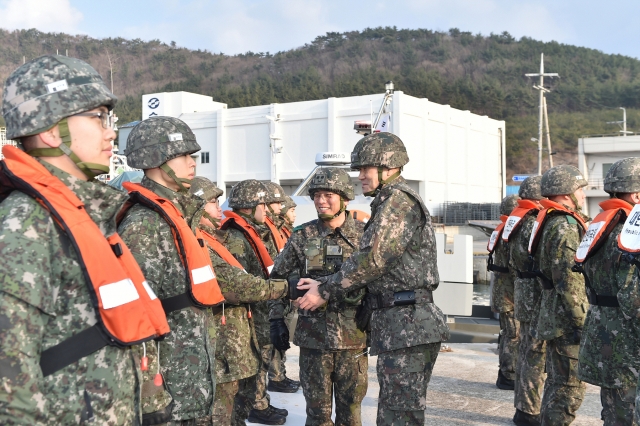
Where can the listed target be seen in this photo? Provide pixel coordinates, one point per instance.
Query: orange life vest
(549, 207)
(515, 218)
(278, 238)
(129, 311)
(615, 210)
(203, 286)
(285, 232)
(234, 220)
(221, 250)
(629, 238)
(495, 235)
(360, 215)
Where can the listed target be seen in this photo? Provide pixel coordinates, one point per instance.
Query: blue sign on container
(519, 178)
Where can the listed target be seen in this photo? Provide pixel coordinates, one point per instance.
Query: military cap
(623, 176)
(561, 180)
(508, 203)
(333, 179)
(530, 189)
(288, 204)
(247, 194)
(275, 193)
(382, 149)
(157, 140)
(42, 92)
(205, 189)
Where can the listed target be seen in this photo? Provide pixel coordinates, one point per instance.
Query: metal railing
(455, 213)
(595, 183)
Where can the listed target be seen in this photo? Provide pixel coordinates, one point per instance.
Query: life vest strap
(526, 274)
(73, 349)
(600, 300)
(547, 284)
(495, 268)
(176, 303)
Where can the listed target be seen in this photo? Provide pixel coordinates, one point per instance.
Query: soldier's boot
(285, 386)
(525, 419)
(281, 411)
(504, 383)
(266, 417)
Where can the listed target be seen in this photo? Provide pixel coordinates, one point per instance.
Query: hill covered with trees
(483, 74)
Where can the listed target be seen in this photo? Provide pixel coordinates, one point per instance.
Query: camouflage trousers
(530, 372)
(618, 406)
(322, 373)
(509, 342)
(201, 421)
(252, 391)
(563, 391)
(277, 369)
(403, 376)
(224, 402)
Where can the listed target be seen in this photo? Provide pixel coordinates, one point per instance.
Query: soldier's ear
(51, 137)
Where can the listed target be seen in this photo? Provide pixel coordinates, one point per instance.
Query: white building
(4, 141)
(595, 155)
(455, 155)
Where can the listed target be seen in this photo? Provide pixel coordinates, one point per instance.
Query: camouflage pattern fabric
(527, 291)
(502, 298)
(333, 179)
(623, 176)
(397, 252)
(277, 367)
(530, 372)
(530, 188)
(275, 193)
(618, 406)
(509, 343)
(186, 354)
(247, 194)
(223, 405)
(205, 189)
(403, 375)
(47, 89)
(382, 149)
(561, 180)
(331, 327)
(157, 140)
(340, 374)
(44, 300)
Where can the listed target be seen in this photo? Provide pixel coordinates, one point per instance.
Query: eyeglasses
(106, 118)
(326, 196)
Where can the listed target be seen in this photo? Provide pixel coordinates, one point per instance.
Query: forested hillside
(484, 74)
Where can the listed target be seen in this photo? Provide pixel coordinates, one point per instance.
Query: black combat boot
(280, 411)
(266, 417)
(525, 419)
(285, 386)
(504, 383)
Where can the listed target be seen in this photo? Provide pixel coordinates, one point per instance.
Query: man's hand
(312, 300)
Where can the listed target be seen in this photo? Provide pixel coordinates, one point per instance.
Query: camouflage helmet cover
(561, 180)
(42, 92)
(205, 189)
(288, 204)
(247, 194)
(157, 140)
(275, 193)
(530, 188)
(509, 203)
(623, 176)
(382, 149)
(333, 179)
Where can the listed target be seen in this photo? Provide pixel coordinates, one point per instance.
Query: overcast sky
(237, 26)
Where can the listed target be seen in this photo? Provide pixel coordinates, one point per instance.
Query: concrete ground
(462, 391)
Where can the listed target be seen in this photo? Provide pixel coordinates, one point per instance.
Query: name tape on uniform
(57, 86)
(173, 137)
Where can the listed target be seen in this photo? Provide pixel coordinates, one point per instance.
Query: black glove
(577, 335)
(293, 293)
(279, 334)
(363, 314)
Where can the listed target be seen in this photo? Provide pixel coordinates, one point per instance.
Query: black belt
(175, 303)
(526, 274)
(73, 349)
(399, 298)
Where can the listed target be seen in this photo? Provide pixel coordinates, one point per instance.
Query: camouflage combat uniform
(331, 346)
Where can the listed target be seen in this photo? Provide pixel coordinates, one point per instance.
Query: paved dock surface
(462, 391)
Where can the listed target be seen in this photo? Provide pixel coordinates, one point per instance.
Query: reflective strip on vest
(549, 207)
(126, 311)
(233, 219)
(629, 238)
(516, 216)
(495, 235)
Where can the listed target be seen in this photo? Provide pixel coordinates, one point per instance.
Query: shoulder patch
(571, 220)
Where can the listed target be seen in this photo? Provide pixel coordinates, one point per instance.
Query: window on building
(204, 158)
(605, 168)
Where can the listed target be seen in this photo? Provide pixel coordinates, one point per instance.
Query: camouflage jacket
(187, 353)
(610, 341)
(44, 300)
(249, 259)
(527, 291)
(564, 307)
(332, 326)
(237, 350)
(397, 252)
(502, 292)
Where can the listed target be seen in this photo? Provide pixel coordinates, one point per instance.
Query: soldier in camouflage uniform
(396, 262)
(563, 305)
(51, 102)
(162, 147)
(247, 200)
(530, 375)
(610, 344)
(237, 350)
(288, 216)
(502, 302)
(332, 352)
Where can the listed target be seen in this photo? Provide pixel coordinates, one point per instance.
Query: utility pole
(541, 89)
(546, 122)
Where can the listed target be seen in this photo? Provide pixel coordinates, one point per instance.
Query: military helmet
(288, 204)
(508, 203)
(205, 189)
(530, 188)
(382, 149)
(623, 176)
(275, 193)
(332, 179)
(157, 140)
(247, 194)
(42, 92)
(561, 180)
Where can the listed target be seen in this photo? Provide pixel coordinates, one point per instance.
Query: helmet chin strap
(179, 181)
(251, 217)
(577, 206)
(90, 170)
(327, 217)
(382, 182)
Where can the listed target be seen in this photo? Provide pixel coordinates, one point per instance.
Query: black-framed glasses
(106, 118)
